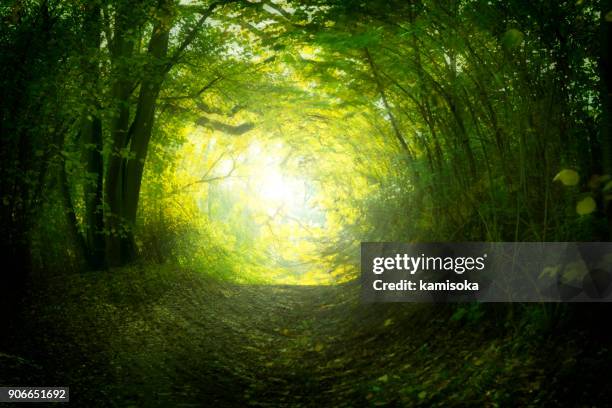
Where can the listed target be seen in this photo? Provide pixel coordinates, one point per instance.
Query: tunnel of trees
(185, 185)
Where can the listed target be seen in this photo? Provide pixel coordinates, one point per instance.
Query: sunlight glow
(261, 198)
(279, 191)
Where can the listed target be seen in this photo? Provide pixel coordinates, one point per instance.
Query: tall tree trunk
(71, 218)
(122, 49)
(91, 132)
(25, 69)
(140, 131)
(94, 209)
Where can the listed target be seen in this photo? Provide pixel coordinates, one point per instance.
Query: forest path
(236, 345)
(135, 339)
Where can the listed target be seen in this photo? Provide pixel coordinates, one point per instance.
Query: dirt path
(127, 342)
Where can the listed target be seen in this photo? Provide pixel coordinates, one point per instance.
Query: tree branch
(206, 179)
(207, 12)
(224, 127)
(197, 94)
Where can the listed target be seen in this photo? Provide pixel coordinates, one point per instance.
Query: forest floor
(158, 336)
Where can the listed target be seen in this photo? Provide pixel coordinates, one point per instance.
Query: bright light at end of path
(269, 183)
(275, 187)
(280, 192)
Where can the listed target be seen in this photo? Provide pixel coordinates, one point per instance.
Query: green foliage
(403, 121)
(469, 314)
(586, 206)
(512, 39)
(218, 151)
(568, 177)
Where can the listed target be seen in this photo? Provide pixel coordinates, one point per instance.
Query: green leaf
(568, 177)
(422, 395)
(383, 378)
(586, 206)
(608, 186)
(512, 39)
(458, 315)
(549, 271)
(574, 273)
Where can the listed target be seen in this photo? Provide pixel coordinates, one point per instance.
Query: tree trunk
(94, 214)
(71, 218)
(91, 132)
(121, 50)
(139, 136)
